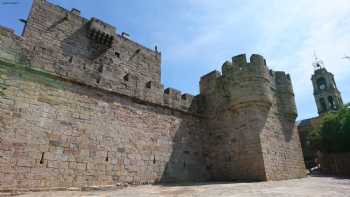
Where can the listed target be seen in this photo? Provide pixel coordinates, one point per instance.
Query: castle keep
(83, 105)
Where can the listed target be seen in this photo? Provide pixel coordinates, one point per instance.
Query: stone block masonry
(55, 133)
(251, 133)
(82, 105)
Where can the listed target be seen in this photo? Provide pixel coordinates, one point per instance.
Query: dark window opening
(148, 85)
(154, 159)
(117, 54)
(42, 158)
(107, 158)
(323, 105)
(331, 102)
(126, 77)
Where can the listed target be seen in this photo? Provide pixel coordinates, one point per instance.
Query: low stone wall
(336, 164)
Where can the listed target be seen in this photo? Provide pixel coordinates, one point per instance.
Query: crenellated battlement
(239, 68)
(92, 104)
(241, 82)
(241, 60)
(103, 72)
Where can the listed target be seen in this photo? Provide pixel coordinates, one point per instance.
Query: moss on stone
(25, 73)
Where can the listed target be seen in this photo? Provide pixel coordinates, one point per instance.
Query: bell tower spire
(327, 96)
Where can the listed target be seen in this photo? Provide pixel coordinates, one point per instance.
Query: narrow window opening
(100, 68)
(148, 85)
(331, 102)
(154, 159)
(42, 158)
(126, 77)
(107, 158)
(71, 60)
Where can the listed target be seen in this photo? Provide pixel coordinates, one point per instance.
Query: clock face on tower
(321, 83)
(322, 86)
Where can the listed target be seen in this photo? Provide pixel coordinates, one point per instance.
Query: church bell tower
(326, 93)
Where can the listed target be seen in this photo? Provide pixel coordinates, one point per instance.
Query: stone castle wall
(82, 105)
(251, 114)
(55, 133)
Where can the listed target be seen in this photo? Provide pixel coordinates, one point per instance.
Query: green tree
(333, 135)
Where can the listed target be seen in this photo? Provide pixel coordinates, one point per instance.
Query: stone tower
(251, 115)
(326, 93)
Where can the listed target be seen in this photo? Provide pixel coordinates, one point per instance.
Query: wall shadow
(286, 119)
(78, 44)
(186, 163)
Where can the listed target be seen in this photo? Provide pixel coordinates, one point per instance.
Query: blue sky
(197, 36)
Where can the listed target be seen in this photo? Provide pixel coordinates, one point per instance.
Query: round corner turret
(243, 82)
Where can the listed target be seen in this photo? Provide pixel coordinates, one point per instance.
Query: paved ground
(311, 186)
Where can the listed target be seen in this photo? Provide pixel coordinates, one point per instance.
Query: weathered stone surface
(251, 122)
(80, 112)
(92, 137)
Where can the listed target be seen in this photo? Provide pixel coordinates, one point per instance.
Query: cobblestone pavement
(311, 186)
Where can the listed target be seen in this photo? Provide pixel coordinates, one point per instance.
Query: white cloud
(285, 32)
(325, 29)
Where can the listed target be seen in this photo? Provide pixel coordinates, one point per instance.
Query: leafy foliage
(333, 135)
